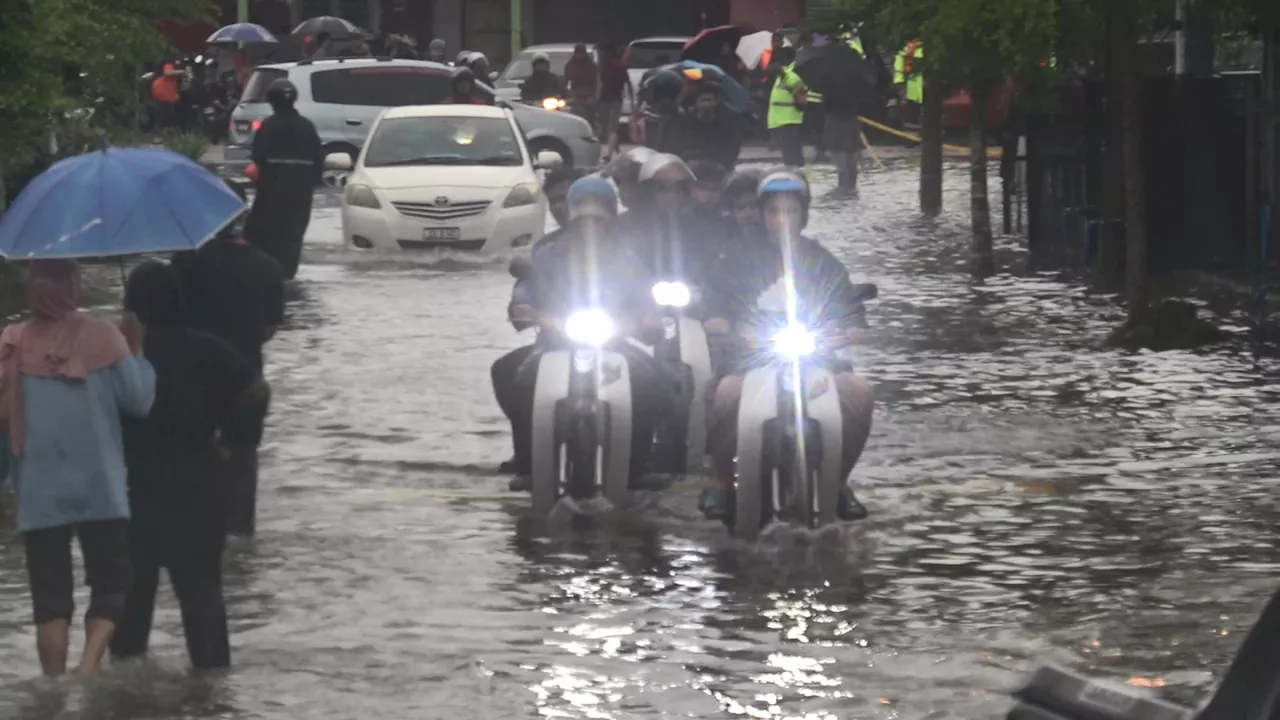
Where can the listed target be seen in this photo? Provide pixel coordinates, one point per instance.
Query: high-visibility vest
(782, 99)
(905, 71)
(853, 42)
(813, 97)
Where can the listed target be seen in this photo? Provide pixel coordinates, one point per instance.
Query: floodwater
(1033, 499)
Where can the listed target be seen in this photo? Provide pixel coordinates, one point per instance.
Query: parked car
(455, 177)
(646, 54)
(344, 96)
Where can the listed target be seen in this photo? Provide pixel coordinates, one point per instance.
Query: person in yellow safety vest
(786, 113)
(909, 80)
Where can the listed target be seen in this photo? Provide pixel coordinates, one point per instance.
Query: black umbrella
(705, 47)
(837, 70)
(336, 27)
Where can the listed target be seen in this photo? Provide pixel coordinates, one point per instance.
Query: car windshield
(443, 140)
(522, 67)
(256, 90)
(644, 55)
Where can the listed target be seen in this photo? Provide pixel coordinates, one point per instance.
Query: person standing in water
(208, 399)
(65, 381)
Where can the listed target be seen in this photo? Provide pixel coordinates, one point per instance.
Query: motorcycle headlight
(521, 195)
(362, 196)
(593, 328)
(794, 342)
(553, 103)
(672, 294)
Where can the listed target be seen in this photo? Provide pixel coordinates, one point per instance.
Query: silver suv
(344, 96)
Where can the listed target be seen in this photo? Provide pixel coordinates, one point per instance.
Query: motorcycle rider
(479, 65)
(505, 369)
(290, 160)
(826, 298)
(542, 83)
(660, 228)
(585, 266)
(464, 89)
(708, 187)
(742, 204)
(436, 51)
(625, 172)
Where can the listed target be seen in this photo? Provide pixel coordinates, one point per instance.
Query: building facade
(485, 25)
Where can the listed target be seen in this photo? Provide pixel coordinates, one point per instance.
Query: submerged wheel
(581, 451)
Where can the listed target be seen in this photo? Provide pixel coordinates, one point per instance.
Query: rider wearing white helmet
(826, 300)
(541, 82)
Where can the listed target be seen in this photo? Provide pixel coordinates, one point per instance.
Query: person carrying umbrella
(66, 379)
(786, 109)
(290, 160)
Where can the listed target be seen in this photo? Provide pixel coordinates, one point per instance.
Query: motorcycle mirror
(520, 268)
(867, 291)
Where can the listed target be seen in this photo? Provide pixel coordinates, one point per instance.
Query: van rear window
(256, 90)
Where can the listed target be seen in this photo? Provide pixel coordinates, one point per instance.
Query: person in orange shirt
(164, 93)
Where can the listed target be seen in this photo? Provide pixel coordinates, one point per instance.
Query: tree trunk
(931, 149)
(983, 257)
(1111, 232)
(1135, 206)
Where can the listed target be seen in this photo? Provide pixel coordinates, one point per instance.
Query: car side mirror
(337, 161)
(547, 160)
(493, 75)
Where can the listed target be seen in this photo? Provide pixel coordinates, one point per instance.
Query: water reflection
(1031, 498)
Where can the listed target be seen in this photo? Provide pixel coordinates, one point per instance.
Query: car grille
(468, 245)
(431, 211)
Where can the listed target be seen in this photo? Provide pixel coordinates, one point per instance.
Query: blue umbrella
(241, 33)
(117, 201)
(735, 96)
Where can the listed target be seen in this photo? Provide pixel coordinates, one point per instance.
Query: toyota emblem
(442, 201)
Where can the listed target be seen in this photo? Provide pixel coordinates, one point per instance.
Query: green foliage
(58, 57)
(190, 144)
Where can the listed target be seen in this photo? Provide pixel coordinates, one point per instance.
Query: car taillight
(257, 124)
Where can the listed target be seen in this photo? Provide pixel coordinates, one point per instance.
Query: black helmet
(282, 93)
(463, 73)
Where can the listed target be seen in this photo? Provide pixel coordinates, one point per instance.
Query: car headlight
(361, 196)
(589, 327)
(794, 341)
(672, 294)
(521, 195)
(553, 103)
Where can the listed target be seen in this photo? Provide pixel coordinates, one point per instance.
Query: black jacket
(290, 161)
(539, 86)
(691, 138)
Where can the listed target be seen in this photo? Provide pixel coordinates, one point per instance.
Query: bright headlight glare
(362, 196)
(521, 195)
(552, 103)
(672, 294)
(794, 342)
(593, 328)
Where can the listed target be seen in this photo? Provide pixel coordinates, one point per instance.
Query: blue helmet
(592, 196)
(785, 182)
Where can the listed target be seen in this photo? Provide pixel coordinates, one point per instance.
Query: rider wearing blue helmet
(585, 266)
(743, 285)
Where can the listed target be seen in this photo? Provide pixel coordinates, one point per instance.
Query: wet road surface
(1032, 499)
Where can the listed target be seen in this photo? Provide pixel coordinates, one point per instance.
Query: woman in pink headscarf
(65, 380)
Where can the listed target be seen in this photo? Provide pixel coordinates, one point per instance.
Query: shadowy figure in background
(707, 132)
(236, 291)
(208, 398)
(65, 381)
(290, 162)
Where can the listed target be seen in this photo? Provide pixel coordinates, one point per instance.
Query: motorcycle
(552, 102)
(790, 433)
(581, 413)
(683, 347)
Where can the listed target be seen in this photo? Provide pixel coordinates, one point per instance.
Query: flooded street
(1032, 499)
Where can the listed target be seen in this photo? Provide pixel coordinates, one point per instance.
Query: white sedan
(443, 177)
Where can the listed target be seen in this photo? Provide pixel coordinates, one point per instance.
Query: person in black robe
(208, 399)
(290, 161)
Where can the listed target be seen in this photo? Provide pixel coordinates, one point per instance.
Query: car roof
(554, 47)
(331, 63)
(419, 111)
(661, 39)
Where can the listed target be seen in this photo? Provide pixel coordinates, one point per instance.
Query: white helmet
(661, 161)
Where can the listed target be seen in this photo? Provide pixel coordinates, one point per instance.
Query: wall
(765, 14)
(407, 17)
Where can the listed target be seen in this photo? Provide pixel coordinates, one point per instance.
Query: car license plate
(442, 234)
(243, 126)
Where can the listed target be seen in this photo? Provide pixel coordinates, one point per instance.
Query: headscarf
(57, 342)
